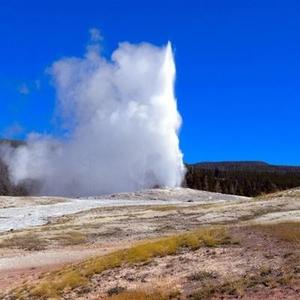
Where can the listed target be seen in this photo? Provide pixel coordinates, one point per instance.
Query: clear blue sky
(238, 67)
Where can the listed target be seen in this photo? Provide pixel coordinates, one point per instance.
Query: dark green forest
(241, 178)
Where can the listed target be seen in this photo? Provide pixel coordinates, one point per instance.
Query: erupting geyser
(122, 125)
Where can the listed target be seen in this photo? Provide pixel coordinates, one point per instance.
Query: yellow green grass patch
(54, 284)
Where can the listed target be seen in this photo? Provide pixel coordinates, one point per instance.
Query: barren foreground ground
(156, 244)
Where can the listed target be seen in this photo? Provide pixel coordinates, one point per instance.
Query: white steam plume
(122, 121)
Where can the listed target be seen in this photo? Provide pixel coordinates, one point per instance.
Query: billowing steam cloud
(122, 122)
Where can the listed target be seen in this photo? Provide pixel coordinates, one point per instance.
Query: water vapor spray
(122, 122)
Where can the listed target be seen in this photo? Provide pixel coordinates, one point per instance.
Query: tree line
(245, 181)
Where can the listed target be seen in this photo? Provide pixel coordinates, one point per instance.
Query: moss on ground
(27, 241)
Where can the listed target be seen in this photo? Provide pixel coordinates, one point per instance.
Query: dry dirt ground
(261, 261)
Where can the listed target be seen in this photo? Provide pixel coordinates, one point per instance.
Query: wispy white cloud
(12, 131)
(95, 35)
(24, 89)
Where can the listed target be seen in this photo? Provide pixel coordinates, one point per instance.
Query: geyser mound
(122, 126)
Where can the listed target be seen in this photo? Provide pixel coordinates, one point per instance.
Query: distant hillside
(247, 178)
(256, 166)
(13, 143)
